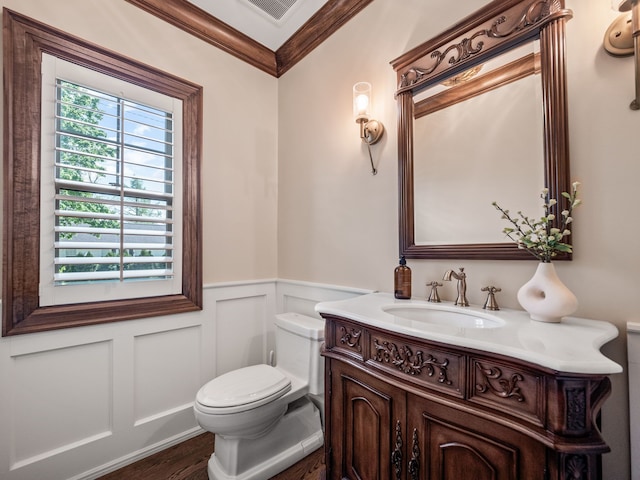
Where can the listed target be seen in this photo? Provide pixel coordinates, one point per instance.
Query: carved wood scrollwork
(396, 455)
(405, 361)
(576, 408)
(532, 14)
(351, 338)
(501, 387)
(462, 50)
(414, 463)
(576, 467)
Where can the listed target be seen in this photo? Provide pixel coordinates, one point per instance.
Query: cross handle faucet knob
(491, 303)
(433, 295)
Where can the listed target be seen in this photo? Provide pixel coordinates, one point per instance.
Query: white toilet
(267, 418)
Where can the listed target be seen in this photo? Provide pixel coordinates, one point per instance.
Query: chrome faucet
(461, 277)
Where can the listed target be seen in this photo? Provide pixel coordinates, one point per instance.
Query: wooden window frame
(25, 40)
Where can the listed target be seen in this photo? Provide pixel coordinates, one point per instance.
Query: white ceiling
(250, 17)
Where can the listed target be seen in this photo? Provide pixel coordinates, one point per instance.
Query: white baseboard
(138, 455)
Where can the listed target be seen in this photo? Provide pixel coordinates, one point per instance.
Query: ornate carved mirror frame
(496, 28)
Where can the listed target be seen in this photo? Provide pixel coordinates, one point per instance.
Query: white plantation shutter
(114, 194)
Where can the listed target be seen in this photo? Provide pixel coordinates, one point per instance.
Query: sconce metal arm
(374, 171)
(370, 132)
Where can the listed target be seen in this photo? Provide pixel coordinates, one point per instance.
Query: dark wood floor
(188, 461)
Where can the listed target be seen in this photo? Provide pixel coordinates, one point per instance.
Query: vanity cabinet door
(448, 444)
(366, 426)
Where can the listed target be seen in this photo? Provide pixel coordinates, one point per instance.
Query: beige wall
(287, 187)
(338, 224)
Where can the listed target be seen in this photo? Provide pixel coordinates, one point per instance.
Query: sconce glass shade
(370, 130)
(362, 101)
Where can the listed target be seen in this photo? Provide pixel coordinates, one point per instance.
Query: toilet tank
(298, 342)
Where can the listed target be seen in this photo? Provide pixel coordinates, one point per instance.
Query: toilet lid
(245, 388)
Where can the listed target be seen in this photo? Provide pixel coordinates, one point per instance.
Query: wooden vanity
(400, 405)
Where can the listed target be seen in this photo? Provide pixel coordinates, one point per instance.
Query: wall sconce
(623, 38)
(370, 130)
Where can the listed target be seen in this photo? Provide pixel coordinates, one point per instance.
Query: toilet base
(295, 436)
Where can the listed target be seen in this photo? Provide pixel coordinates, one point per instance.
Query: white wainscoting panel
(302, 297)
(243, 316)
(633, 349)
(166, 372)
(78, 403)
(59, 404)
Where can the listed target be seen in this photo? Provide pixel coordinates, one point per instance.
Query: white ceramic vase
(545, 297)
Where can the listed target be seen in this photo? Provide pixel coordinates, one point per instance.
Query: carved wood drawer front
(507, 389)
(349, 338)
(424, 365)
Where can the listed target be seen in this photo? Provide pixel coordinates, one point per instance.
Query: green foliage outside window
(83, 150)
(82, 154)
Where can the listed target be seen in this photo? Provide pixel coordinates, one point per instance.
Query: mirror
(461, 159)
(496, 130)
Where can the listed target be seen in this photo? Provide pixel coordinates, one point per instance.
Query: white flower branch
(540, 237)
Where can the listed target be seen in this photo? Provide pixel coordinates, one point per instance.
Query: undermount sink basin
(443, 316)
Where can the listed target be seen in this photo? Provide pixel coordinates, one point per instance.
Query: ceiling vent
(276, 9)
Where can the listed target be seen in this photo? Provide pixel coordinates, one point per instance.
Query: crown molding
(324, 23)
(197, 22)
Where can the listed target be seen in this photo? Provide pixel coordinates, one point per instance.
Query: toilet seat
(243, 389)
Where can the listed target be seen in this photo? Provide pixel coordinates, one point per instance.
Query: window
(110, 186)
(102, 206)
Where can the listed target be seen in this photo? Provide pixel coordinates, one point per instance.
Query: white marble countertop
(571, 346)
